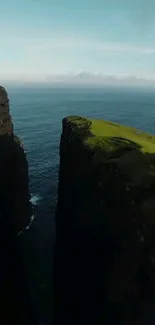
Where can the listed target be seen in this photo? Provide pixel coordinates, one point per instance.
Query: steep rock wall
(15, 214)
(104, 252)
(14, 188)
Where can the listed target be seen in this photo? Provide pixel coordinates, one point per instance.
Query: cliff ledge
(105, 224)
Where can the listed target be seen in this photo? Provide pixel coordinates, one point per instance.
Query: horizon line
(80, 77)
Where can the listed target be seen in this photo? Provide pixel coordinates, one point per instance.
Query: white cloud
(51, 40)
(42, 52)
(84, 44)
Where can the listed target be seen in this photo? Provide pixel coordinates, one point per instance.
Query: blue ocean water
(37, 114)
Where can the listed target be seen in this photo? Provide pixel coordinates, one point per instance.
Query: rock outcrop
(15, 214)
(105, 225)
(14, 189)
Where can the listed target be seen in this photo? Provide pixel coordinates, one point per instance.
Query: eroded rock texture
(105, 225)
(15, 214)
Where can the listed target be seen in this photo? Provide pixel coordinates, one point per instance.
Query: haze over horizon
(52, 38)
(82, 78)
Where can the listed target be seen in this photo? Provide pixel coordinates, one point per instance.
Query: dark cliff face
(15, 214)
(14, 183)
(104, 252)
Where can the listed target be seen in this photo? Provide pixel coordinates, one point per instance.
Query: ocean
(37, 116)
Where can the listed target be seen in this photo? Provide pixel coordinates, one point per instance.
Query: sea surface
(37, 115)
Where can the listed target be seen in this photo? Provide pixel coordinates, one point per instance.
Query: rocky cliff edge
(105, 224)
(16, 208)
(15, 214)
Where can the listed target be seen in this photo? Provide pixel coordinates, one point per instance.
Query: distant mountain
(82, 78)
(98, 78)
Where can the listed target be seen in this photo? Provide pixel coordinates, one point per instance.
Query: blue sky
(43, 37)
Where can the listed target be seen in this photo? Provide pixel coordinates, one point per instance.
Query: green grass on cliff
(132, 150)
(109, 135)
(106, 131)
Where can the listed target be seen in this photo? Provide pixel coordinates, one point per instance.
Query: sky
(40, 38)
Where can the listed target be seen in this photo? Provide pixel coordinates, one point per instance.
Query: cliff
(105, 224)
(15, 214)
(14, 188)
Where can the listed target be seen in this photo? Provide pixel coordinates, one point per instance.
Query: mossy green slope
(132, 150)
(108, 129)
(105, 130)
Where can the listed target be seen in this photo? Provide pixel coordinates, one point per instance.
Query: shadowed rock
(14, 182)
(15, 214)
(105, 225)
